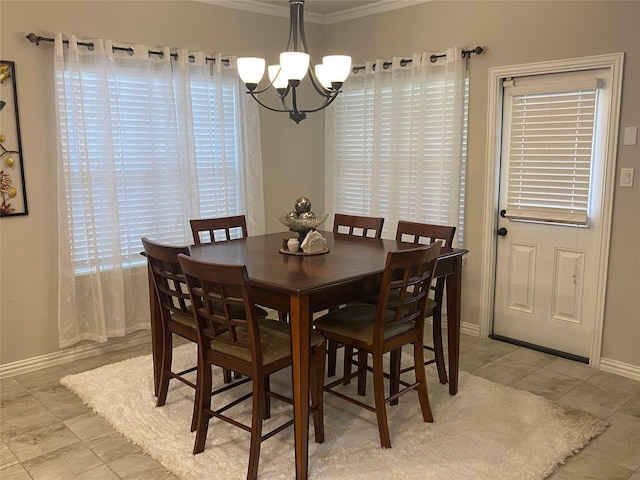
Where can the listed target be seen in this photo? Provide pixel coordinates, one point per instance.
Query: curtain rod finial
(33, 38)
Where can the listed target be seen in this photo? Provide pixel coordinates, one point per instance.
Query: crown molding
(380, 6)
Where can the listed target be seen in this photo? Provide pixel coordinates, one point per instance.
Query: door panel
(547, 263)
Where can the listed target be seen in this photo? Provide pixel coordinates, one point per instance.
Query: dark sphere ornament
(308, 216)
(302, 205)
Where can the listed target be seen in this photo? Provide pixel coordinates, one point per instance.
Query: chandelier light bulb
(294, 65)
(322, 73)
(338, 67)
(251, 71)
(278, 81)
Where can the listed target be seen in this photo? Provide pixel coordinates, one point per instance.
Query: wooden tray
(302, 254)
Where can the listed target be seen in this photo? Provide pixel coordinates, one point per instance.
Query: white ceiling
(318, 11)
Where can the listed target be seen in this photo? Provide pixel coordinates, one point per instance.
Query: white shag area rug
(486, 431)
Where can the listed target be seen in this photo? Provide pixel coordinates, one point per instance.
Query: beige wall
(293, 154)
(519, 32)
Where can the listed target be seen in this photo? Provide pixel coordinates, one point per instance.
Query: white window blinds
(550, 146)
(396, 144)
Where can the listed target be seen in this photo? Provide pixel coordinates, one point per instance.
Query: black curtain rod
(33, 38)
(433, 59)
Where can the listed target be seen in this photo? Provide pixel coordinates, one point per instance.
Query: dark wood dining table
(302, 285)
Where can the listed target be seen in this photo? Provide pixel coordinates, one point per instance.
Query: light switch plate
(626, 177)
(630, 135)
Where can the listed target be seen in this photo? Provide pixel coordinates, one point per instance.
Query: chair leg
(318, 355)
(381, 406)
(332, 353)
(167, 355)
(394, 372)
(283, 317)
(267, 398)
(421, 378)
(362, 372)
(438, 350)
(346, 368)
(196, 401)
(257, 416)
(204, 403)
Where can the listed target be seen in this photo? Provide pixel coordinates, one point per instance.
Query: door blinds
(550, 146)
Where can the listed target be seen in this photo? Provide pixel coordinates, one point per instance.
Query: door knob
(502, 232)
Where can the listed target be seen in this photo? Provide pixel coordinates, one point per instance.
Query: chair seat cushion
(275, 339)
(236, 310)
(428, 311)
(356, 321)
(185, 319)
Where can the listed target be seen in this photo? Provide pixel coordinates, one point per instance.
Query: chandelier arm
(328, 101)
(285, 110)
(319, 88)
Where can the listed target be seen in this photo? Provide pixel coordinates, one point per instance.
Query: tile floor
(48, 434)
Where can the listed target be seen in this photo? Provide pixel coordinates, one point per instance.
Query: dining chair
(357, 226)
(256, 349)
(396, 320)
(221, 229)
(420, 234)
(175, 312)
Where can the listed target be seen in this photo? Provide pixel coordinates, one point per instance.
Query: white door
(550, 202)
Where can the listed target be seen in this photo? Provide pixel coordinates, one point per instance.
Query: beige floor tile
(61, 402)
(635, 476)
(580, 371)
(599, 401)
(632, 407)
(79, 366)
(42, 377)
(588, 467)
(549, 384)
(135, 465)
(504, 371)
(38, 441)
(14, 472)
(620, 444)
(10, 388)
(88, 426)
(131, 352)
(24, 412)
(7, 458)
(112, 446)
(63, 463)
(101, 472)
(531, 357)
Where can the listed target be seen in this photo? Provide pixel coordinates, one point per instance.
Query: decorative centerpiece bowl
(302, 220)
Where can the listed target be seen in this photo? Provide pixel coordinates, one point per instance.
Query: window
(397, 147)
(549, 146)
(132, 133)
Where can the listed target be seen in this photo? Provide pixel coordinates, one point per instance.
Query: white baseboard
(74, 353)
(619, 368)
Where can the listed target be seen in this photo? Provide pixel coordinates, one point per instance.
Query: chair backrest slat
(226, 227)
(219, 293)
(168, 279)
(405, 285)
(359, 226)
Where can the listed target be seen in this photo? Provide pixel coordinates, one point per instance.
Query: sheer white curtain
(145, 142)
(396, 142)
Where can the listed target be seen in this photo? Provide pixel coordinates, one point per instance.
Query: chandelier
(327, 78)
